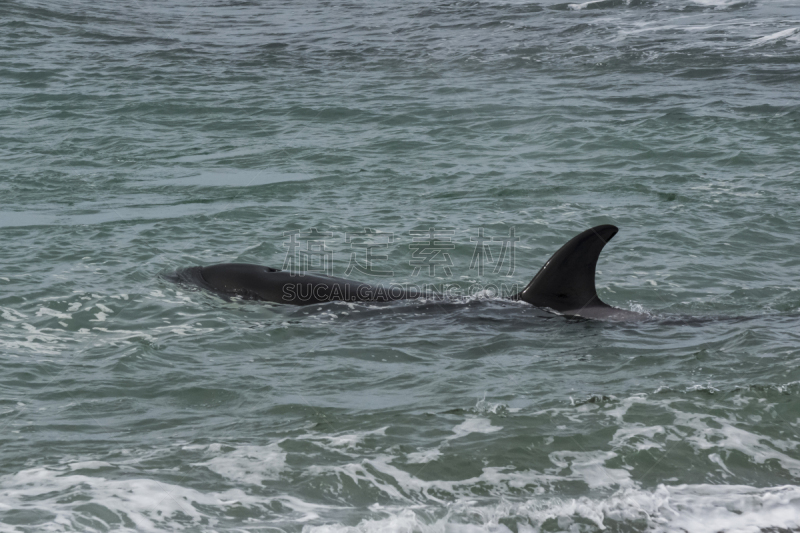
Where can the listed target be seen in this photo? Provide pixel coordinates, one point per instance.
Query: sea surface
(453, 145)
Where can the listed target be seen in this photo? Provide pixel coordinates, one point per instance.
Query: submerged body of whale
(565, 284)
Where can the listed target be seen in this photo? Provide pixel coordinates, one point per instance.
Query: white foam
(343, 440)
(423, 456)
(703, 388)
(718, 4)
(123, 336)
(528, 498)
(666, 509)
(641, 435)
(150, 505)
(728, 508)
(492, 499)
(183, 330)
(405, 521)
(584, 5)
(473, 425)
(247, 464)
(590, 468)
(46, 311)
(147, 503)
(483, 407)
(37, 341)
(783, 34)
(88, 465)
(729, 437)
(11, 314)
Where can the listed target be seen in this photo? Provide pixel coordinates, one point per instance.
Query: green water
(140, 138)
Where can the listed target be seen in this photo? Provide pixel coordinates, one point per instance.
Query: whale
(565, 284)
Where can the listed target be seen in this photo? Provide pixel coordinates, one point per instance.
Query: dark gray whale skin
(565, 284)
(256, 282)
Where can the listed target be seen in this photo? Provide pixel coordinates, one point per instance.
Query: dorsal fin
(566, 282)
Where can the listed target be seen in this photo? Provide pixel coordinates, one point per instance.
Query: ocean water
(138, 138)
